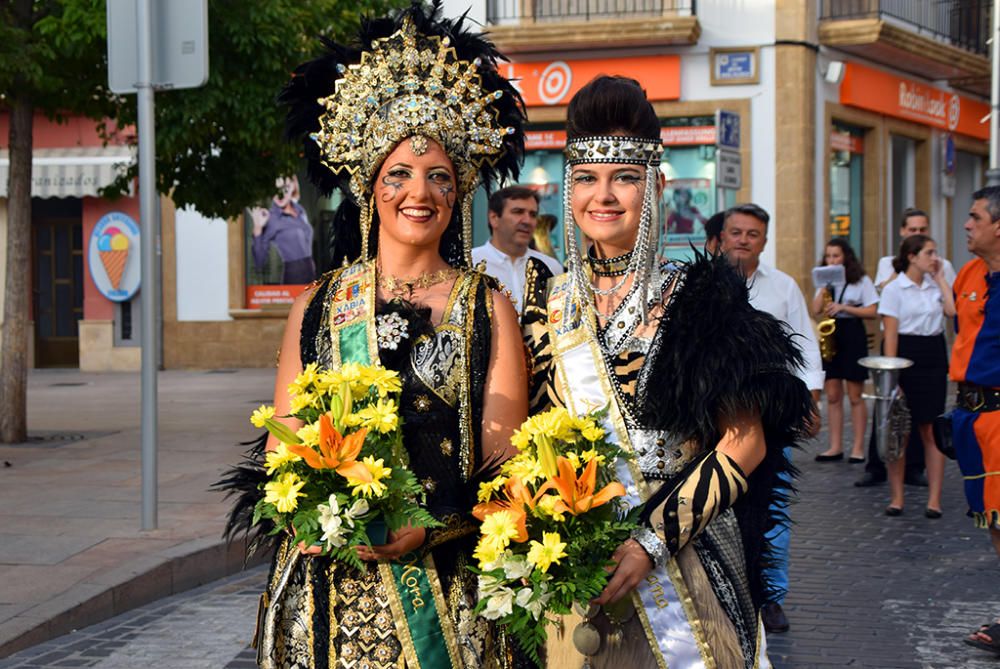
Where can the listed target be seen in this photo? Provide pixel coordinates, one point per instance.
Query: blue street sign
(727, 130)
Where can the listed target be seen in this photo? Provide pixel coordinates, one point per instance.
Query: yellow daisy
(261, 415)
(375, 487)
(284, 492)
(549, 551)
(278, 457)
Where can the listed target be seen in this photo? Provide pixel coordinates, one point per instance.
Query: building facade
(848, 112)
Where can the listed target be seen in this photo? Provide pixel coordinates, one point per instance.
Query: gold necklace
(405, 287)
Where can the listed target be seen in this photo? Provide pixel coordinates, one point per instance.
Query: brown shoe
(774, 618)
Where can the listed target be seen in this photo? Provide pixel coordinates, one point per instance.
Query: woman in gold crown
(699, 388)
(406, 125)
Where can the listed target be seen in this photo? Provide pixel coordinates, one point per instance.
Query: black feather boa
(715, 355)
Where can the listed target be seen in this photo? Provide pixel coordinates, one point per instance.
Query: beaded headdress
(415, 76)
(642, 265)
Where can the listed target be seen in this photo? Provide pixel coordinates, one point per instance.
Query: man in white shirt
(513, 215)
(744, 235)
(913, 222)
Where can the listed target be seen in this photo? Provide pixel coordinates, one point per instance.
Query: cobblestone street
(867, 591)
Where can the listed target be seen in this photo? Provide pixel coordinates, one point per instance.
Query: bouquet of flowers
(342, 479)
(550, 523)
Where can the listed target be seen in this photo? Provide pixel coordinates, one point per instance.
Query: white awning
(70, 172)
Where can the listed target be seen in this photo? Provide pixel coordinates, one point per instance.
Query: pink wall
(76, 131)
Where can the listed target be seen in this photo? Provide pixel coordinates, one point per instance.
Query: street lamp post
(993, 174)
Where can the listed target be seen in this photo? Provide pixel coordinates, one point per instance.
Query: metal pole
(150, 241)
(993, 174)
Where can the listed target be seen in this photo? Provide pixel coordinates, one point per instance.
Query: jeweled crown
(409, 84)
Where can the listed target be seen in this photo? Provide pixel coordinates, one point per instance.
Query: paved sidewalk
(867, 591)
(71, 551)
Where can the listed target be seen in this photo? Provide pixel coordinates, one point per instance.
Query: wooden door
(57, 291)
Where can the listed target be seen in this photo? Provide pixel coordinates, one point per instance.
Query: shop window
(902, 183)
(287, 242)
(846, 185)
(127, 322)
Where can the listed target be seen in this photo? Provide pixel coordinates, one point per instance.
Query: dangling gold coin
(587, 639)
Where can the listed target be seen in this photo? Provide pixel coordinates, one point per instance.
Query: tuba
(827, 328)
(892, 415)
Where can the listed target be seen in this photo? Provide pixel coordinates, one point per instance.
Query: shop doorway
(902, 185)
(968, 179)
(57, 282)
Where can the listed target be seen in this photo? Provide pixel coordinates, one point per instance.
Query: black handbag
(943, 435)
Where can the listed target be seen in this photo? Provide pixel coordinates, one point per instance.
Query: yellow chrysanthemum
(488, 488)
(309, 434)
(381, 416)
(261, 414)
(375, 487)
(592, 454)
(556, 424)
(384, 380)
(499, 528)
(521, 439)
(284, 492)
(524, 467)
(326, 380)
(486, 552)
(549, 551)
(351, 372)
(548, 505)
(592, 432)
(278, 457)
(574, 459)
(305, 379)
(301, 401)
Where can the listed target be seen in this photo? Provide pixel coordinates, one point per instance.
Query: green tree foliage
(219, 147)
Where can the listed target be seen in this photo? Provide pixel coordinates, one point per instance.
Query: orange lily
(518, 497)
(577, 494)
(336, 451)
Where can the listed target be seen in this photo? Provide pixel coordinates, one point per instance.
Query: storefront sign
(686, 135)
(845, 141)
(546, 83)
(262, 297)
(113, 256)
(888, 94)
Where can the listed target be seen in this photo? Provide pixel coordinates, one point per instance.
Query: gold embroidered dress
(322, 614)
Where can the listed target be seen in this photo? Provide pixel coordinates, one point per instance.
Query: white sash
(662, 601)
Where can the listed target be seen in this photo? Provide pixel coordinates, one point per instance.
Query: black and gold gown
(319, 613)
(710, 354)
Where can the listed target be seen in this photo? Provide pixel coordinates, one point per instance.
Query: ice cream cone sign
(113, 256)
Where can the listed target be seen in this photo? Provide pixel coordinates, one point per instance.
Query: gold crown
(409, 84)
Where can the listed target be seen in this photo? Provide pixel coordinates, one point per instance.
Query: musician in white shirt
(513, 215)
(913, 222)
(913, 307)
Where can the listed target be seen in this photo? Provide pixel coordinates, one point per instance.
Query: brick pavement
(867, 591)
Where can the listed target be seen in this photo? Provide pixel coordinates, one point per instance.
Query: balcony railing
(963, 23)
(514, 11)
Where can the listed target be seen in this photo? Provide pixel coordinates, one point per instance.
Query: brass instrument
(827, 328)
(892, 415)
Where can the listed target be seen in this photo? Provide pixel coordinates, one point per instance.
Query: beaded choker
(616, 266)
(405, 287)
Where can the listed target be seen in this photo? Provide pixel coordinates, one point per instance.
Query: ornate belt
(977, 398)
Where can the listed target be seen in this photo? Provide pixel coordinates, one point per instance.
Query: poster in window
(279, 247)
(685, 206)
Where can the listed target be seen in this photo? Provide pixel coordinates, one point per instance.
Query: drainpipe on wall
(993, 174)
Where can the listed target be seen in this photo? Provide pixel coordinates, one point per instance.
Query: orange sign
(546, 83)
(544, 139)
(888, 94)
(845, 141)
(263, 296)
(687, 135)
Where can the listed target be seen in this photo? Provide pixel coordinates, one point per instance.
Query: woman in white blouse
(913, 307)
(852, 303)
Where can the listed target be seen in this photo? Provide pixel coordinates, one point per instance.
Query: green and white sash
(416, 598)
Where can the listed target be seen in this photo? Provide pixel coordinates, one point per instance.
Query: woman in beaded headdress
(700, 390)
(406, 124)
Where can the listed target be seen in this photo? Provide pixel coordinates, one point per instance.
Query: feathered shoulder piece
(715, 354)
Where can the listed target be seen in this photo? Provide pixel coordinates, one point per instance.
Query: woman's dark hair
(611, 105)
(911, 245)
(853, 271)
